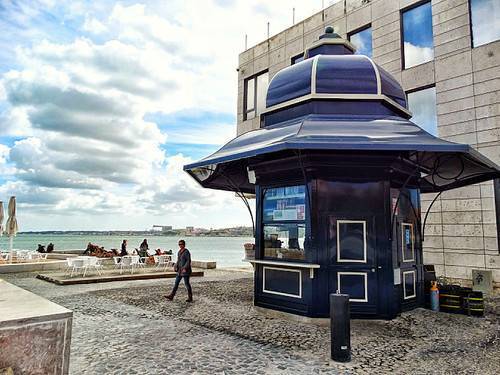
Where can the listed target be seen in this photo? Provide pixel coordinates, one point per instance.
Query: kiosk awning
(442, 165)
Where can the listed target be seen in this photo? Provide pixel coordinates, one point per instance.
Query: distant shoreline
(213, 233)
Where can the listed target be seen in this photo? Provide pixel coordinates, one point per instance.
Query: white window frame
(403, 243)
(280, 293)
(414, 295)
(339, 259)
(254, 108)
(364, 274)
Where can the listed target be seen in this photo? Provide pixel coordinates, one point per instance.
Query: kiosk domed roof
(334, 73)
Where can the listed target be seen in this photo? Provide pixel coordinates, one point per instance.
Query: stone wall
(35, 334)
(461, 229)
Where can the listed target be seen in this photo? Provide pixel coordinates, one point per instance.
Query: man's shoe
(170, 297)
(190, 299)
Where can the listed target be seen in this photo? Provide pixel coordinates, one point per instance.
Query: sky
(103, 102)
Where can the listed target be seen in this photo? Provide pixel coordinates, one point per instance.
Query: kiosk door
(408, 256)
(351, 243)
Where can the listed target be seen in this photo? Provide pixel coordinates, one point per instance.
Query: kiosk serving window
(284, 226)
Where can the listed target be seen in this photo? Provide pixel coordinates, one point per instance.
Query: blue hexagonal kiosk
(337, 170)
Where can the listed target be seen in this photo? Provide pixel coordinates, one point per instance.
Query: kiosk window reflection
(284, 222)
(284, 241)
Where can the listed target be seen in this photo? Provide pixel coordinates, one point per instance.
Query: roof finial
(330, 33)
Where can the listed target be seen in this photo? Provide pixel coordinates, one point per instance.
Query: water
(226, 251)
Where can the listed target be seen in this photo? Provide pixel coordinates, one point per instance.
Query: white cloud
(76, 106)
(93, 25)
(415, 55)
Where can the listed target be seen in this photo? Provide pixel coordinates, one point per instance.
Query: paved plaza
(128, 327)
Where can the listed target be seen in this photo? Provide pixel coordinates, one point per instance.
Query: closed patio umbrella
(1, 218)
(11, 227)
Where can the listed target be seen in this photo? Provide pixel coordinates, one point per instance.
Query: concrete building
(446, 55)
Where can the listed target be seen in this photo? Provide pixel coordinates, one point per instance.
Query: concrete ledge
(32, 267)
(35, 334)
(205, 264)
(61, 256)
(66, 280)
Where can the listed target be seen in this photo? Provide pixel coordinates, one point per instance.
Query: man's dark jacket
(183, 265)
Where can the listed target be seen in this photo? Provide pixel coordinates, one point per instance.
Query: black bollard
(340, 327)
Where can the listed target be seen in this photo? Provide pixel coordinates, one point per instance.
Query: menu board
(287, 203)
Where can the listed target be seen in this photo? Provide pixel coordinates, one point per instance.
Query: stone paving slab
(62, 279)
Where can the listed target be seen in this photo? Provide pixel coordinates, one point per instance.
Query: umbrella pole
(11, 240)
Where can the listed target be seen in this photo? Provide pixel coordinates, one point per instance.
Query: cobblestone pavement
(129, 328)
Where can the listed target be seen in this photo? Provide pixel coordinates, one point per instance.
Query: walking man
(183, 269)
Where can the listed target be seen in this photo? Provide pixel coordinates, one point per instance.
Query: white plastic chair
(136, 262)
(164, 261)
(126, 262)
(69, 266)
(22, 255)
(117, 261)
(35, 257)
(77, 265)
(93, 263)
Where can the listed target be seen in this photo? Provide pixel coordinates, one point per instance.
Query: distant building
(189, 229)
(163, 228)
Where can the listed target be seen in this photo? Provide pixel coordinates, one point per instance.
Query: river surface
(226, 251)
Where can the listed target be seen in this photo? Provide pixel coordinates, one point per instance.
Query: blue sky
(103, 102)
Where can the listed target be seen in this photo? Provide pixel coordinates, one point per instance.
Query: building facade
(446, 56)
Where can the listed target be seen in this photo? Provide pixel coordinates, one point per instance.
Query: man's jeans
(186, 282)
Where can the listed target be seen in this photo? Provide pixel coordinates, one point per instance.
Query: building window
(484, 20)
(284, 228)
(297, 59)
(362, 40)
(422, 104)
(418, 46)
(255, 94)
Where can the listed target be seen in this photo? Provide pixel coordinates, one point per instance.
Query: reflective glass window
(298, 58)
(262, 83)
(362, 40)
(422, 104)
(284, 203)
(284, 229)
(485, 16)
(284, 241)
(255, 95)
(418, 45)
